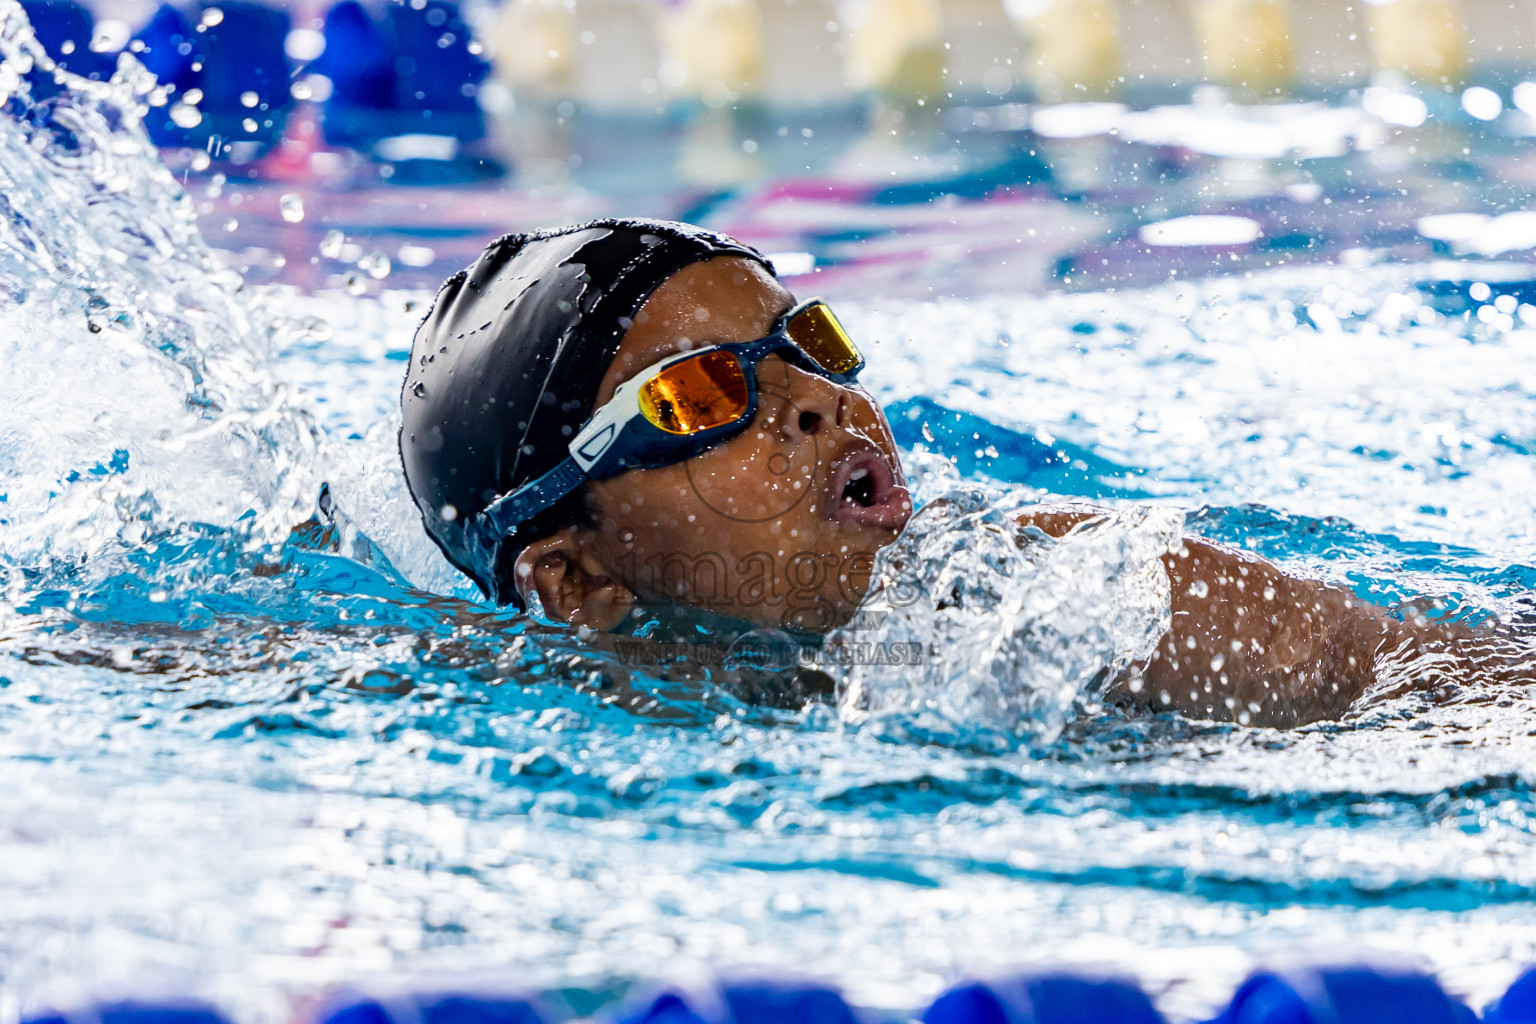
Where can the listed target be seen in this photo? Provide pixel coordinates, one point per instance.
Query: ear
(571, 583)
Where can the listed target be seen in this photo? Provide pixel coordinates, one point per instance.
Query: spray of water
(1016, 630)
(139, 403)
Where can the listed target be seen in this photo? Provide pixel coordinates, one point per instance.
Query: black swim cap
(505, 370)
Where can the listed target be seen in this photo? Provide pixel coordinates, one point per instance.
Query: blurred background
(889, 147)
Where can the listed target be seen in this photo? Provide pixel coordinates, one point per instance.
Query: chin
(866, 538)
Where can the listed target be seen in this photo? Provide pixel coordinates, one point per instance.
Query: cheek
(644, 504)
(681, 533)
(870, 421)
(757, 477)
(683, 510)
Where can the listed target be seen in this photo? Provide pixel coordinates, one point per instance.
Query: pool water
(250, 762)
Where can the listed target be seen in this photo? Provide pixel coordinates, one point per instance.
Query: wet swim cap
(506, 368)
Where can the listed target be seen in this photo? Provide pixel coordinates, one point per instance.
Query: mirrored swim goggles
(674, 410)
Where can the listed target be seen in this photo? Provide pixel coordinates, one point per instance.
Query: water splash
(1017, 630)
(140, 404)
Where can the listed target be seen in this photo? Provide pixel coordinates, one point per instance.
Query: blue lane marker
(237, 62)
(433, 1008)
(1350, 994)
(65, 24)
(1055, 998)
(410, 71)
(668, 1008)
(135, 1013)
(1518, 1005)
(1343, 995)
(168, 45)
(243, 56)
(758, 1002)
(361, 66)
(772, 1004)
(438, 73)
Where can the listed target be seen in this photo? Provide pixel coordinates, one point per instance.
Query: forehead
(725, 299)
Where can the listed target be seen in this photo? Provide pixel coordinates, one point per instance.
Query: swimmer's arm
(1247, 641)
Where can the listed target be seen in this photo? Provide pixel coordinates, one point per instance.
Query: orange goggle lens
(817, 331)
(696, 394)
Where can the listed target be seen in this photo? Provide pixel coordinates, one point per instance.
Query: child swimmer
(592, 413)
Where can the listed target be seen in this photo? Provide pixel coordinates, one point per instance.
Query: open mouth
(866, 491)
(860, 488)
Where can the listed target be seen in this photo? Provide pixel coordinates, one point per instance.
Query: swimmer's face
(778, 525)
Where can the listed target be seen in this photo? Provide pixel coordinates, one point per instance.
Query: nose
(812, 404)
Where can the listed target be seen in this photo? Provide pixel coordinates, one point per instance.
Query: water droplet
(375, 265)
(292, 208)
(249, 99)
(419, 389)
(212, 16)
(185, 115)
(1217, 662)
(1199, 588)
(330, 246)
(249, 124)
(230, 223)
(355, 284)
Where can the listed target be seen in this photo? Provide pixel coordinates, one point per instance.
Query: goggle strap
(512, 510)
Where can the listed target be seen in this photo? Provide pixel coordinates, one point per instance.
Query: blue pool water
(250, 763)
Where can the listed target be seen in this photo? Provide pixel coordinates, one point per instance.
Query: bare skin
(1251, 643)
(762, 528)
